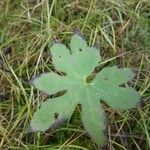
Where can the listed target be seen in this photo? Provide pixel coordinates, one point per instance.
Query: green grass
(121, 29)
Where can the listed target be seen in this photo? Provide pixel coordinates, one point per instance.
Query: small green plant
(78, 62)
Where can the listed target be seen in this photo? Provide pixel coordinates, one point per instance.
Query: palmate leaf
(78, 63)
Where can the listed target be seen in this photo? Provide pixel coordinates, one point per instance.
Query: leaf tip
(95, 46)
(31, 130)
(78, 33)
(140, 101)
(32, 80)
(102, 146)
(55, 41)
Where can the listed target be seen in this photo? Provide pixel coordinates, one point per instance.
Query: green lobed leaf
(53, 113)
(78, 63)
(108, 86)
(48, 82)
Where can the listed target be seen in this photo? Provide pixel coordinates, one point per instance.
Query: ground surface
(120, 29)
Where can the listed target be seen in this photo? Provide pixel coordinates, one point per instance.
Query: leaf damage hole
(80, 49)
(90, 78)
(56, 115)
(105, 78)
(123, 85)
(57, 94)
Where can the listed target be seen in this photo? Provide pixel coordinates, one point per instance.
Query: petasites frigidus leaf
(78, 63)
